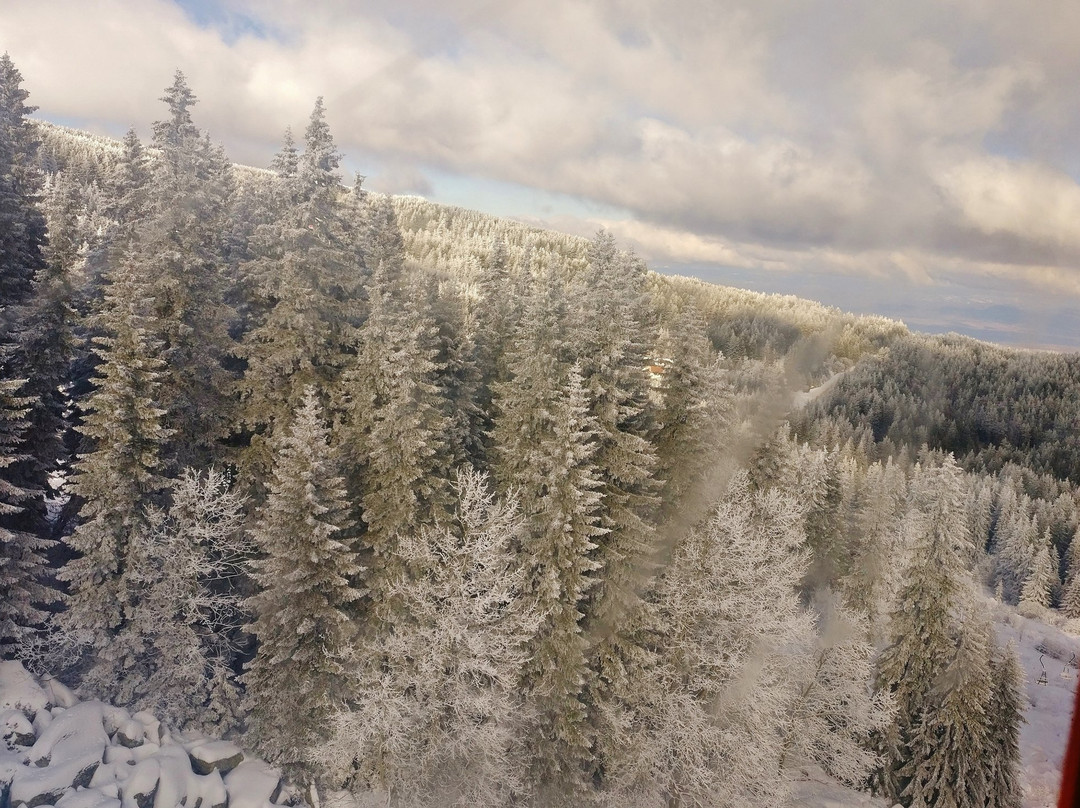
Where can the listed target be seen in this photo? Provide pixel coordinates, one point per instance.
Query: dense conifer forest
(422, 502)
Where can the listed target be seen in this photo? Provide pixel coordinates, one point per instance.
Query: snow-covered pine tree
(22, 227)
(949, 743)
(1070, 599)
(1004, 714)
(695, 398)
(179, 243)
(936, 666)
(435, 715)
(397, 432)
(22, 554)
(494, 317)
(1042, 577)
(304, 283)
(187, 565)
(118, 478)
(306, 576)
(543, 443)
(611, 328)
(24, 309)
(875, 543)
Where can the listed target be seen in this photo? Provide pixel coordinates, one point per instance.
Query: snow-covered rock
(221, 756)
(33, 786)
(86, 754)
(19, 691)
(75, 733)
(130, 734)
(15, 729)
(252, 784)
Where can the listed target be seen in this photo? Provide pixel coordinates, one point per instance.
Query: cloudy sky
(917, 159)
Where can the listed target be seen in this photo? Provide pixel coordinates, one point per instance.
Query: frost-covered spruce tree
(1070, 599)
(612, 327)
(306, 580)
(23, 281)
(187, 565)
(397, 432)
(950, 742)
(118, 477)
(874, 539)
(544, 441)
(561, 502)
(1040, 581)
(694, 399)
(435, 715)
(178, 241)
(936, 666)
(702, 720)
(305, 275)
(1005, 714)
(495, 316)
(22, 554)
(22, 227)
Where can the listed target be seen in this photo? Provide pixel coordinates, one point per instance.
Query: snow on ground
(56, 750)
(1050, 706)
(802, 398)
(815, 789)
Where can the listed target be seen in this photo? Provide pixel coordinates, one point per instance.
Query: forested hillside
(430, 505)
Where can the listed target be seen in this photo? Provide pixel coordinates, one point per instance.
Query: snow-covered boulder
(15, 729)
(86, 754)
(152, 729)
(88, 799)
(140, 788)
(252, 784)
(130, 734)
(19, 691)
(33, 786)
(75, 733)
(208, 792)
(211, 756)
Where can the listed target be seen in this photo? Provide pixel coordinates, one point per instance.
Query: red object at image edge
(1070, 771)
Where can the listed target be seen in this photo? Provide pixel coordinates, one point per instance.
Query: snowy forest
(427, 504)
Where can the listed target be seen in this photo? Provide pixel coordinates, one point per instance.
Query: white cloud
(866, 138)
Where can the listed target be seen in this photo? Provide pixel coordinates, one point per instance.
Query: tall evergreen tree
(937, 665)
(22, 554)
(119, 477)
(694, 401)
(1004, 714)
(27, 304)
(612, 329)
(179, 242)
(305, 278)
(306, 578)
(397, 432)
(22, 227)
(1042, 578)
